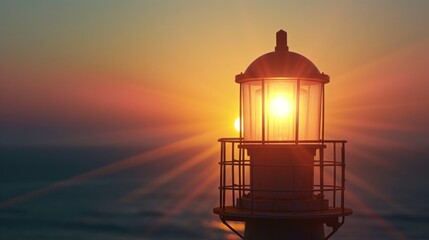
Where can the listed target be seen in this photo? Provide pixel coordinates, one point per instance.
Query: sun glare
(237, 124)
(280, 106)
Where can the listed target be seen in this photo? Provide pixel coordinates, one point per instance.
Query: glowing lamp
(281, 96)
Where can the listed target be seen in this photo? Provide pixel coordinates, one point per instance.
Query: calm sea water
(94, 207)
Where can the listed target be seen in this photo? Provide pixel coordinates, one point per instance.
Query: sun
(237, 124)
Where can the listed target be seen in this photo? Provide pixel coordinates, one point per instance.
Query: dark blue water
(94, 207)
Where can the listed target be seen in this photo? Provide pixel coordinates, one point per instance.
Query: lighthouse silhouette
(281, 177)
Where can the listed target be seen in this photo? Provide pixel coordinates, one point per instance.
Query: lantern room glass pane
(252, 110)
(309, 110)
(280, 109)
(280, 106)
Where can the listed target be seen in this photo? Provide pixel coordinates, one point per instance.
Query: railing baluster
(240, 187)
(232, 173)
(335, 174)
(221, 176)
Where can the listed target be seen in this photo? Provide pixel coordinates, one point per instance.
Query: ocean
(43, 197)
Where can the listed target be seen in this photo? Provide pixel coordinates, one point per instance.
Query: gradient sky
(76, 67)
(109, 73)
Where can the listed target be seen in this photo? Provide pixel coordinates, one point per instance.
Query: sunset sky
(105, 73)
(75, 68)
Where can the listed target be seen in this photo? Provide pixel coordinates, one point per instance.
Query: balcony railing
(237, 190)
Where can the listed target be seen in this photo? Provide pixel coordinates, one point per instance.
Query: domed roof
(282, 63)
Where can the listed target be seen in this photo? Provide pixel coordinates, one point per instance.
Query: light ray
(199, 184)
(378, 125)
(375, 217)
(364, 185)
(365, 137)
(171, 174)
(136, 136)
(136, 160)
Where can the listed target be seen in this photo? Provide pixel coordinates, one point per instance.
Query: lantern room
(281, 96)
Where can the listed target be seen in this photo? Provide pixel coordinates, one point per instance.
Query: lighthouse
(281, 177)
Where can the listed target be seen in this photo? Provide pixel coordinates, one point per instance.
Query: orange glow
(237, 124)
(280, 106)
(239, 226)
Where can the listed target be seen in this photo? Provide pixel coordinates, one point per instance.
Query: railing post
(343, 173)
(322, 174)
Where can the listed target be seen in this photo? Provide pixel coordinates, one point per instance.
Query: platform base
(266, 229)
(283, 205)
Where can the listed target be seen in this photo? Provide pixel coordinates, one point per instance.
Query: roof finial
(281, 41)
